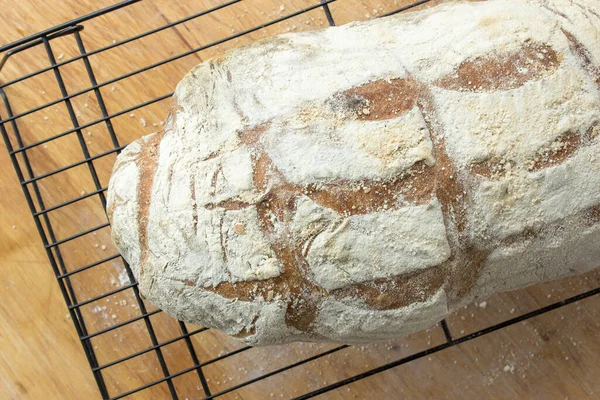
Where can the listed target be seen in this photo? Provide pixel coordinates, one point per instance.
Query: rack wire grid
(63, 139)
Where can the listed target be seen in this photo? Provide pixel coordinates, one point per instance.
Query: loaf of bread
(358, 183)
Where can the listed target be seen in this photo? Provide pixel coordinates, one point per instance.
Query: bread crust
(304, 189)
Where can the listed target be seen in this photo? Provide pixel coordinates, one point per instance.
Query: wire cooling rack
(62, 142)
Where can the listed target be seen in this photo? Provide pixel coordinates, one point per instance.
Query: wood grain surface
(552, 356)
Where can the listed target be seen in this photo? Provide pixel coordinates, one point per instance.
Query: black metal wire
(328, 13)
(120, 325)
(279, 371)
(29, 183)
(50, 31)
(192, 351)
(69, 202)
(84, 126)
(186, 336)
(446, 329)
(158, 64)
(241, 385)
(103, 296)
(452, 343)
(86, 267)
(405, 8)
(99, 98)
(55, 258)
(117, 150)
(111, 46)
(29, 45)
(57, 243)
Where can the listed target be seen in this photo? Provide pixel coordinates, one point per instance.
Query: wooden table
(553, 356)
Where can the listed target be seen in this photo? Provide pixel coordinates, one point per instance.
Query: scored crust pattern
(451, 185)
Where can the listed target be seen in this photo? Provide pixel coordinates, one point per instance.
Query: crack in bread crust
(382, 99)
(395, 292)
(589, 217)
(558, 152)
(293, 285)
(583, 54)
(504, 71)
(147, 160)
(463, 267)
(592, 216)
(353, 198)
(296, 284)
(567, 144)
(562, 148)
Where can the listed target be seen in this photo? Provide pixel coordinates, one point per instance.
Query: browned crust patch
(580, 51)
(111, 210)
(263, 171)
(504, 71)
(528, 233)
(251, 136)
(147, 161)
(395, 292)
(450, 189)
(557, 12)
(229, 205)
(588, 217)
(557, 153)
(592, 216)
(247, 332)
(463, 268)
(352, 198)
(563, 148)
(302, 295)
(382, 99)
(491, 169)
(584, 56)
(293, 284)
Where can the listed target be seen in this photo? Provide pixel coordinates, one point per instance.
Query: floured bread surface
(359, 182)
